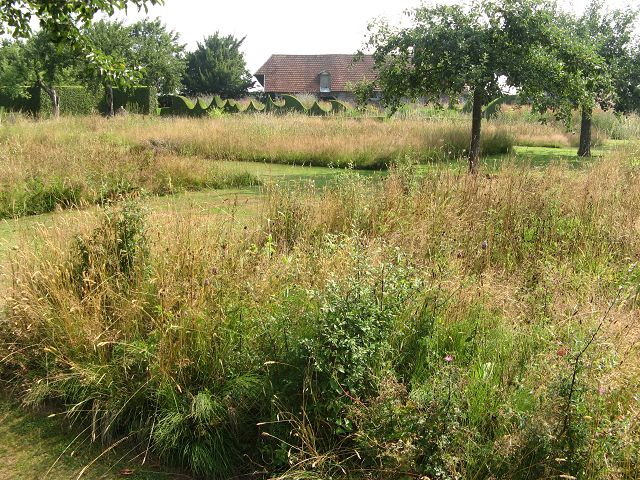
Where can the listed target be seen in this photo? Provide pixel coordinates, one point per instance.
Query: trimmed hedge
(292, 104)
(319, 111)
(78, 100)
(73, 101)
(271, 107)
(181, 106)
(232, 107)
(142, 100)
(254, 107)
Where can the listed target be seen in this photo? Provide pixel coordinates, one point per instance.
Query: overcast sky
(288, 26)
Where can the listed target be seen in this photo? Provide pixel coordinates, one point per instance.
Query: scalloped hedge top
(182, 106)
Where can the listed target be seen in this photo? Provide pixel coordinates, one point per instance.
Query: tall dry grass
(411, 327)
(296, 139)
(79, 162)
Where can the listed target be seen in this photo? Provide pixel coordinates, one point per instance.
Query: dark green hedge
(142, 100)
(73, 101)
(78, 100)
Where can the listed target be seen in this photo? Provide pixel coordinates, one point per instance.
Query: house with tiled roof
(326, 76)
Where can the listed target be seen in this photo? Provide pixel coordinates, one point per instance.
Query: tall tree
(107, 64)
(627, 81)
(146, 45)
(610, 34)
(589, 64)
(160, 53)
(217, 67)
(63, 21)
(481, 51)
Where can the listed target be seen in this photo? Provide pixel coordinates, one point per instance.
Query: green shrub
(218, 102)
(74, 100)
(181, 105)
(28, 103)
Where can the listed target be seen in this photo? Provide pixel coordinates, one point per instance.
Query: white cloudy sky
(288, 26)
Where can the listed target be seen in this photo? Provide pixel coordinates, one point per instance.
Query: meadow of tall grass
(445, 327)
(82, 161)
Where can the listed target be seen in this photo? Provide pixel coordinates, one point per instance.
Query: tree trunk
(584, 150)
(55, 100)
(109, 95)
(476, 123)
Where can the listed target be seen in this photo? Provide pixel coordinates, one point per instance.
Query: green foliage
(115, 251)
(147, 45)
(217, 67)
(270, 106)
(364, 92)
(342, 336)
(28, 102)
(160, 54)
(62, 19)
(231, 106)
(354, 327)
(254, 107)
(219, 102)
(142, 100)
(182, 106)
(493, 108)
(15, 72)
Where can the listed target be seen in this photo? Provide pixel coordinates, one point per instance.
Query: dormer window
(325, 82)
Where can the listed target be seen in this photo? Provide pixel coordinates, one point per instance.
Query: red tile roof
(300, 73)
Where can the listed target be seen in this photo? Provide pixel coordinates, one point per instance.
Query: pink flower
(448, 358)
(602, 390)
